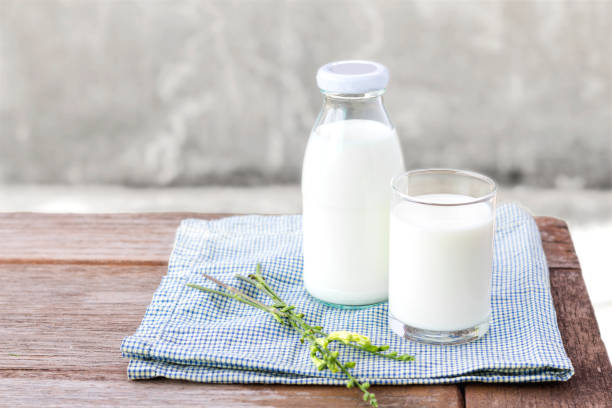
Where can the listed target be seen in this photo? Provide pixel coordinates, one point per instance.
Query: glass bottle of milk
(351, 156)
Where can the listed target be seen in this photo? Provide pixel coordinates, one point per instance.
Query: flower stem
(320, 354)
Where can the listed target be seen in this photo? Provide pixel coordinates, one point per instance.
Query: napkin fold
(191, 335)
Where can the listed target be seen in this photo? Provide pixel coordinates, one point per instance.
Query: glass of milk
(441, 255)
(352, 153)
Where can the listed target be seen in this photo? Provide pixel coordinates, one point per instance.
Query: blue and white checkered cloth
(191, 335)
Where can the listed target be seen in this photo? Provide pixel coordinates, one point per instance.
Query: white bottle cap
(352, 77)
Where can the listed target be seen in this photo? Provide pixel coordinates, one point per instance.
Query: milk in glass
(441, 255)
(440, 263)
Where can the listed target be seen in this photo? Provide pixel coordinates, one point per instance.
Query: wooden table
(72, 286)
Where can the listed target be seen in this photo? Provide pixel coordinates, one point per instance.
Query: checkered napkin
(191, 335)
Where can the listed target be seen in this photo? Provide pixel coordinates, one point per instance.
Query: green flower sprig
(320, 354)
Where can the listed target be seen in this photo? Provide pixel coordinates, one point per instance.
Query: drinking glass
(441, 255)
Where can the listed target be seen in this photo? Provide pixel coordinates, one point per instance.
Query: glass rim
(465, 173)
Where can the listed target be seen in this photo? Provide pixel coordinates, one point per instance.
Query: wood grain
(163, 393)
(106, 239)
(69, 320)
(557, 243)
(72, 286)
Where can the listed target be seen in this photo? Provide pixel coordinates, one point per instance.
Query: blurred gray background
(112, 106)
(165, 93)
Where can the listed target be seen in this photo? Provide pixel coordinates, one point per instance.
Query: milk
(440, 262)
(347, 169)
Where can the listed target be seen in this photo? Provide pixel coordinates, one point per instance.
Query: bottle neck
(368, 106)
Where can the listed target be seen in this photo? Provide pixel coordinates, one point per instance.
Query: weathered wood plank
(557, 243)
(164, 393)
(70, 319)
(89, 238)
(61, 342)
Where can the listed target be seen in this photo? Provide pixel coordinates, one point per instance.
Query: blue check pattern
(191, 335)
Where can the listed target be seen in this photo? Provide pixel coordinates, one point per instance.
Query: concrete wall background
(213, 92)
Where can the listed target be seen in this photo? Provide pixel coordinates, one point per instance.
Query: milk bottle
(351, 156)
